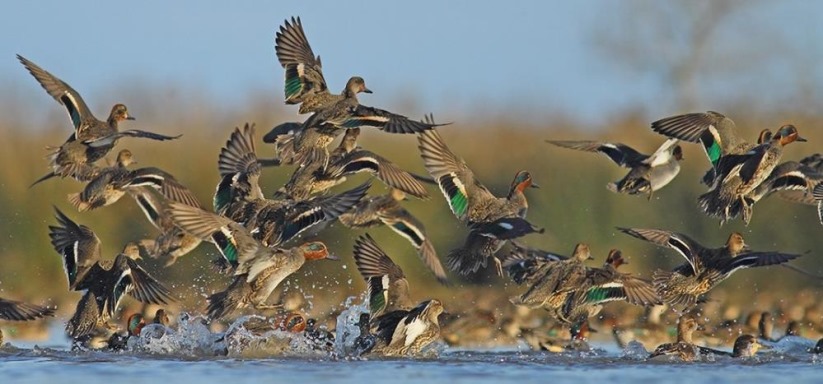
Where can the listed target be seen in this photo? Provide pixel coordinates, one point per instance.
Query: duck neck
(684, 336)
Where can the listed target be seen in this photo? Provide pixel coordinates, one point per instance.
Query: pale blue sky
(532, 57)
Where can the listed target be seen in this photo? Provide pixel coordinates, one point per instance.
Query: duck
(607, 284)
(648, 173)
(492, 220)
(172, 242)
(716, 133)
(134, 326)
(704, 267)
(556, 282)
(112, 183)
(14, 310)
(317, 177)
(365, 341)
(684, 348)
(319, 338)
(105, 282)
(524, 263)
(400, 327)
(739, 175)
(792, 180)
(92, 138)
(745, 346)
(239, 197)
(258, 269)
(765, 327)
(386, 210)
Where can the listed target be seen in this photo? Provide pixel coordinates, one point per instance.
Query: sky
(531, 58)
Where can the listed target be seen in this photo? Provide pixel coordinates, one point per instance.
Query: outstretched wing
(60, 91)
(621, 154)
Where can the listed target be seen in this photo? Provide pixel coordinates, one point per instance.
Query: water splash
(347, 330)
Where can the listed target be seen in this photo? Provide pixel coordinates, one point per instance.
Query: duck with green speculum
(739, 175)
(257, 269)
(239, 197)
(172, 242)
(92, 138)
(493, 220)
(400, 327)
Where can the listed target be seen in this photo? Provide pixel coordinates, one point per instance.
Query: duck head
(687, 325)
(735, 244)
(161, 317)
(135, 324)
(787, 134)
(522, 180)
(125, 158)
(132, 250)
(119, 112)
(582, 253)
(677, 152)
(293, 322)
(355, 85)
(615, 258)
(316, 250)
(747, 346)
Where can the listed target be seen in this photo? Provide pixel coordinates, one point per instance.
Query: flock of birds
(251, 232)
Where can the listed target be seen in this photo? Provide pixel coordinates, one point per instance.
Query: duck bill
(332, 257)
(366, 90)
(130, 117)
(800, 139)
(534, 185)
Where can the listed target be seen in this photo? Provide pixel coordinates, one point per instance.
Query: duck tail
(717, 203)
(465, 260)
(42, 179)
(224, 302)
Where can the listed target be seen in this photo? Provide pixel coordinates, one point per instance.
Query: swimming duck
(110, 184)
(400, 328)
(386, 209)
(739, 175)
(705, 267)
(19, 311)
(647, 174)
(239, 198)
(765, 327)
(684, 348)
(105, 281)
(493, 220)
(134, 326)
(92, 139)
(747, 346)
(258, 269)
(364, 342)
(172, 241)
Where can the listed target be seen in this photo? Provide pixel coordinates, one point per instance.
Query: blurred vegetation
(572, 204)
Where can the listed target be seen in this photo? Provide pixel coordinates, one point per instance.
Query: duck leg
(498, 265)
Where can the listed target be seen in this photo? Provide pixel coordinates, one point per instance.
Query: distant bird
(492, 220)
(739, 175)
(386, 209)
(105, 281)
(238, 196)
(110, 184)
(92, 139)
(19, 311)
(400, 327)
(258, 270)
(704, 267)
(647, 174)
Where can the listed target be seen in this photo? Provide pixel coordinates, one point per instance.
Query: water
(192, 354)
